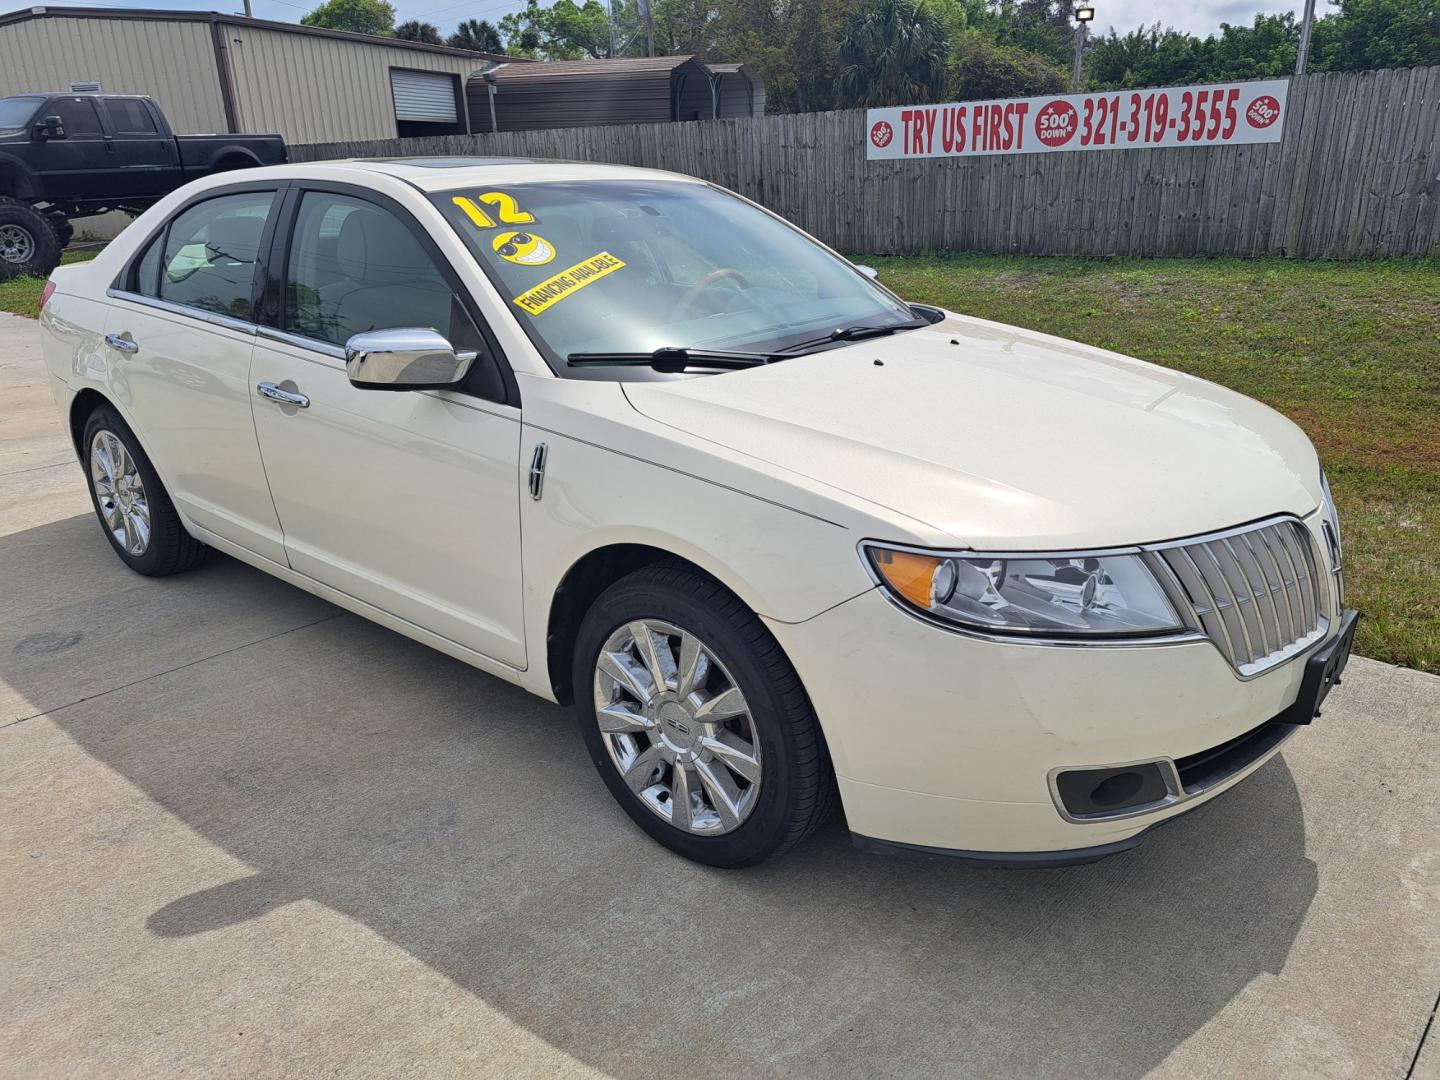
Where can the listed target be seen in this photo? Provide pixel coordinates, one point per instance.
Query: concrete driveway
(247, 833)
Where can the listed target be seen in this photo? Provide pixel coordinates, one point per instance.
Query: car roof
(445, 173)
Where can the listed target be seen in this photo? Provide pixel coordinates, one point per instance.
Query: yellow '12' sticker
(567, 282)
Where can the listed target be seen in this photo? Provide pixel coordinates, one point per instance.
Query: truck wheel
(64, 230)
(28, 241)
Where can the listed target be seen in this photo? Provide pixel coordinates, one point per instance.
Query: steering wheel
(725, 273)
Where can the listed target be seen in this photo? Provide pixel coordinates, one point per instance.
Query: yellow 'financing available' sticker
(567, 282)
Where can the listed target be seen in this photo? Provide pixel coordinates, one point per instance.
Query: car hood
(1005, 438)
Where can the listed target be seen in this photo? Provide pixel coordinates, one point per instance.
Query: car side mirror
(52, 127)
(868, 271)
(410, 359)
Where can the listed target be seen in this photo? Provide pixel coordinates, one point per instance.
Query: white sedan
(632, 442)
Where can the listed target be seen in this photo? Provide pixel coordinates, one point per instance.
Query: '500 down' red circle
(881, 134)
(1056, 123)
(1263, 112)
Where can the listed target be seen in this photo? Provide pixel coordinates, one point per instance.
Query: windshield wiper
(854, 333)
(673, 358)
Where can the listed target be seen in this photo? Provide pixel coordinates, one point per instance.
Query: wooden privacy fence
(1357, 174)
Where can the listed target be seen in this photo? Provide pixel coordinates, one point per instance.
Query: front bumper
(947, 743)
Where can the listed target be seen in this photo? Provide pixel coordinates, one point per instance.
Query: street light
(1083, 16)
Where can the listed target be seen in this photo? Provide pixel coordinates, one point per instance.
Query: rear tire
(64, 230)
(134, 508)
(748, 697)
(29, 244)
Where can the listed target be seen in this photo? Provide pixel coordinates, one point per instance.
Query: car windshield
(633, 266)
(15, 112)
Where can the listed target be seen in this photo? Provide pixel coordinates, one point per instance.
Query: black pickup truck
(65, 156)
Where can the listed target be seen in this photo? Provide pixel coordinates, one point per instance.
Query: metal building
(218, 73)
(587, 93)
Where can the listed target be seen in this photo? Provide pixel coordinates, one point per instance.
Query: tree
(358, 16)
(984, 70)
(477, 35)
(1362, 35)
(1367, 34)
(415, 30)
(893, 53)
(563, 31)
(1149, 56)
(1264, 49)
(1036, 26)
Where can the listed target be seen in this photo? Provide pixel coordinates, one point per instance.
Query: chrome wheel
(677, 726)
(16, 244)
(120, 493)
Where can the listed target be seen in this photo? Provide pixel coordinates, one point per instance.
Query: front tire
(29, 244)
(134, 509)
(696, 721)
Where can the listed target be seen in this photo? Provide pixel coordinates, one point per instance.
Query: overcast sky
(1198, 16)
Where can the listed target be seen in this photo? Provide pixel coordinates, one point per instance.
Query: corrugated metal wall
(604, 96)
(735, 97)
(312, 88)
(569, 93)
(174, 62)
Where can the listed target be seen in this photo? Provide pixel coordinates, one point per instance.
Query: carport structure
(739, 91)
(590, 93)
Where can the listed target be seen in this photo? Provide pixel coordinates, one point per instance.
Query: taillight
(45, 295)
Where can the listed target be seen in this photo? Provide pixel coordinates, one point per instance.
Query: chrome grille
(1256, 593)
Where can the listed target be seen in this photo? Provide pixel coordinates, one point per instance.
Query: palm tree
(415, 30)
(892, 53)
(477, 35)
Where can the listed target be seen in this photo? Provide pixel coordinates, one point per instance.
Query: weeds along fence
(1356, 175)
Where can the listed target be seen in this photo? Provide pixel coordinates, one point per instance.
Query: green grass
(1350, 351)
(21, 296)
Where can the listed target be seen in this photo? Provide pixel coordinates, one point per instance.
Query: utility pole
(1083, 16)
(248, 13)
(1303, 56)
(647, 12)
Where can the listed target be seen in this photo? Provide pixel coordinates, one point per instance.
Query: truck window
(129, 116)
(78, 115)
(15, 112)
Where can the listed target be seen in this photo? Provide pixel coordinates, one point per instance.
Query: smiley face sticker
(523, 248)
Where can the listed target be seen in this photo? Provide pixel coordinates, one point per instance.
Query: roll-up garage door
(425, 96)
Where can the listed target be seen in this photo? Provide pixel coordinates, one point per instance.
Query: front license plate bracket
(1322, 673)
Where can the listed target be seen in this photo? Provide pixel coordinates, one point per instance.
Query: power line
(466, 4)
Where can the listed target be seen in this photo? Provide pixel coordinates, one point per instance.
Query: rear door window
(129, 116)
(211, 254)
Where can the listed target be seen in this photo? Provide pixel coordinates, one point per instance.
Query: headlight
(1038, 595)
(1331, 522)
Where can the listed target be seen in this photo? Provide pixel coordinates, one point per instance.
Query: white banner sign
(1220, 115)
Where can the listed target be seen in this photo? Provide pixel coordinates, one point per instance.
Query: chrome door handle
(124, 344)
(284, 397)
